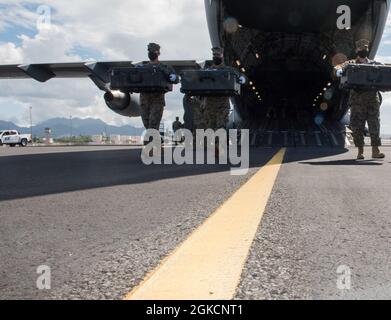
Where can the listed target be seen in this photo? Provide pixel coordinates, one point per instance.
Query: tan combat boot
(360, 153)
(376, 154)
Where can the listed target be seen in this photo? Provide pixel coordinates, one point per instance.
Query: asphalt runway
(98, 217)
(324, 214)
(102, 220)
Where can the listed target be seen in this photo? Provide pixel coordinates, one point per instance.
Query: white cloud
(117, 29)
(9, 53)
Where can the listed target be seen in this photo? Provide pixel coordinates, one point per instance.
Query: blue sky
(112, 30)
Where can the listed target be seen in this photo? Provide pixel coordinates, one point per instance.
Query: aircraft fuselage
(288, 50)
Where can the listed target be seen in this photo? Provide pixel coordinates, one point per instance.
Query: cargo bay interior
(288, 55)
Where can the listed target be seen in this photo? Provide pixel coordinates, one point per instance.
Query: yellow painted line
(208, 265)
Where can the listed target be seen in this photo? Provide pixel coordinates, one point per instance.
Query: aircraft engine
(123, 103)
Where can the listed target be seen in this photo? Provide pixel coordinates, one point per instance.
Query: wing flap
(97, 71)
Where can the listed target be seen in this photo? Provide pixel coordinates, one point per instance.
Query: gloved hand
(242, 79)
(339, 73)
(173, 77)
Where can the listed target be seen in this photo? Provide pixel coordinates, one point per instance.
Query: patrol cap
(153, 47)
(362, 44)
(217, 51)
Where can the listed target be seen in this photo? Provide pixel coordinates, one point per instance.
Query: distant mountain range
(61, 127)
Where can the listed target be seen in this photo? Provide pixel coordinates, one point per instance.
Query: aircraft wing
(98, 72)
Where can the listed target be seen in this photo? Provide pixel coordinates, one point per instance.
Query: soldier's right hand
(242, 80)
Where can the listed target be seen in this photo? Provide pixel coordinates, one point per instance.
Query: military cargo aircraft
(287, 49)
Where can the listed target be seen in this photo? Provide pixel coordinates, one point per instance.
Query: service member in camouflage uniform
(152, 104)
(215, 109)
(176, 128)
(365, 107)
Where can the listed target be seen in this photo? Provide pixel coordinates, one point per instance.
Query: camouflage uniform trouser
(216, 112)
(199, 116)
(365, 107)
(151, 115)
(152, 107)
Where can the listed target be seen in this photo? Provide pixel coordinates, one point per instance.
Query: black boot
(376, 154)
(360, 155)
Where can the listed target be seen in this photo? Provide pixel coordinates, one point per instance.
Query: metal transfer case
(140, 79)
(210, 83)
(366, 77)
